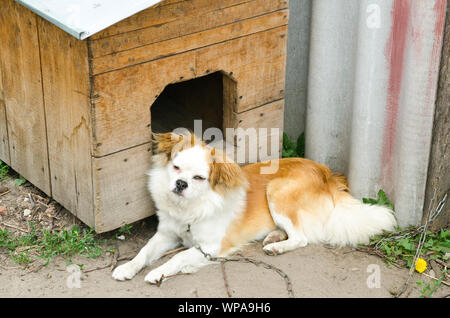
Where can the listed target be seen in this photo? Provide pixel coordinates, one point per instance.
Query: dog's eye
(176, 167)
(199, 178)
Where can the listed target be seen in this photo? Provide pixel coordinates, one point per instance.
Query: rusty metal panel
(371, 94)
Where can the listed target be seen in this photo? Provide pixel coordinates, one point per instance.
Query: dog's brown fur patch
(225, 176)
(170, 144)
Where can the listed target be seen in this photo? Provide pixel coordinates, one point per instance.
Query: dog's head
(193, 168)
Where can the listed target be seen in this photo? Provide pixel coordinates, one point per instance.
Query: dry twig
(15, 227)
(2, 194)
(442, 281)
(159, 282)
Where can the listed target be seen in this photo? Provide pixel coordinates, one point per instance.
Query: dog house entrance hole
(182, 103)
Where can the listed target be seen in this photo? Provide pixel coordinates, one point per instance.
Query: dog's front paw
(125, 271)
(154, 277)
(272, 250)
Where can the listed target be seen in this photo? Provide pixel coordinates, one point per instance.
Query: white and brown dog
(212, 206)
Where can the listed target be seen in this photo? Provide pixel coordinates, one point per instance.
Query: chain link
(423, 229)
(255, 262)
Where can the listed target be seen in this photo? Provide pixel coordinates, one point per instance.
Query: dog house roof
(83, 18)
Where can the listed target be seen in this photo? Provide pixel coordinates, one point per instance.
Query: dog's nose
(181, 184)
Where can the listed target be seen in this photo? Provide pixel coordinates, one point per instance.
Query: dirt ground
(315, 270)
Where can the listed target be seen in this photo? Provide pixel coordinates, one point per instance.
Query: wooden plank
(165, 12)
(4, 140)
(123, 98)
(266, 116)
(122, 101)
(229, 100)
(65, 73)
(257, 63)
(22, 91)
(187, 43)
(438, 178)
(121, 188)
(209, 16)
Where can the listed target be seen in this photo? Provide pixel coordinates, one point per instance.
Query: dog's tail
(352, 222)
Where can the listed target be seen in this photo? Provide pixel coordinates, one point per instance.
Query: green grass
(400, 251)
(46, 244)
(428, 289)
(399, 248)
(43, 244)
(5, 173)
(293, 149)
(381, 199)
(126, 229)
(67, 243)
(19, 181)
(4, 170)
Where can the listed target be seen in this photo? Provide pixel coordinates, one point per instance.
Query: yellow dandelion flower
(421, 265)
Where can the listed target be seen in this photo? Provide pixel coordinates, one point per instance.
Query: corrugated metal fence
(369, 96)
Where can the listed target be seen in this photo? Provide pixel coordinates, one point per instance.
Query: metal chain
(423, 229)
(255, 262)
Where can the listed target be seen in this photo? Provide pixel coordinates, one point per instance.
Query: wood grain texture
(266, 116)
(122, 100)
(65, 73)
(261, 120)
(230, 100)
(121, 194)
(438, 179)
(22, 94)
(4, 140)
(194, 16)
(257, 63)
(164, 13)
(187, 43)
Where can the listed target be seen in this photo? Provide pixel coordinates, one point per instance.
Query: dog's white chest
(187, 237)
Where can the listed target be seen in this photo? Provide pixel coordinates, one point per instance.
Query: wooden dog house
(76, 109)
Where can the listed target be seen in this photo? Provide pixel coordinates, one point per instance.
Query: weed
(46, 244)
(292, 149)
(19, 181)
(5, 174)
(21, 258)
(381, 199)
(69, 242)
(428, 290)
(401, 251)
(400, 247)
(4, 170)
(125, 229)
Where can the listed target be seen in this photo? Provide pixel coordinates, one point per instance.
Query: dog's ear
(166, 143)
(225, 175)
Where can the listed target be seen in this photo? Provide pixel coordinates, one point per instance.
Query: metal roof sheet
(83, 18)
